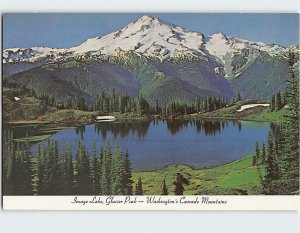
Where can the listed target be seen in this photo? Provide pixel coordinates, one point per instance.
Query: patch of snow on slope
(238, 74)
(247, 106)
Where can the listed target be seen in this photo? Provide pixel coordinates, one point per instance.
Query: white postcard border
(230, 6)
(151, 202)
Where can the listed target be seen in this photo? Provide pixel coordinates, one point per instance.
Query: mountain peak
(219, 35)
(148, 36)
(147, 19)
(143, 23)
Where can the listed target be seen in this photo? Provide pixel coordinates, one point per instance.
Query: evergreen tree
(285, 97)
(157, 109)
(52, 175)
(11, 172)
(95, 171)
(179, 182)
(238, 98)
(127, 179)
(278, 102)
(69, 170)
(272, 172)
(106, 171)
(83, 178)
(272, 106)
(117, 172)
(100, 169)
(164, 189)
(63, 184)
(26, 169)
(256, 156)
(8, 160)
(40, 170)
(58, 171)
(139, 187)
(263, 154)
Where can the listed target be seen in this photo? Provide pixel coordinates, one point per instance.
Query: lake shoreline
(74, 117)
(144, 118)
(191, 167)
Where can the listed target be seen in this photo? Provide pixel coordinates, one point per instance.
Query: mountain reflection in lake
(155, 144)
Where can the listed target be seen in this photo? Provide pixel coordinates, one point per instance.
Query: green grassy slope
(70, 117)
(255, 114)
(238, 177)
(267, 115)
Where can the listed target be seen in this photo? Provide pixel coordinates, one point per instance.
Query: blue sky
(69, 29)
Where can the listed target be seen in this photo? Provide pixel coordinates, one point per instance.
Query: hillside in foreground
(221, 180)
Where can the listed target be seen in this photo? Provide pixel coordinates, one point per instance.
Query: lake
(158, 143)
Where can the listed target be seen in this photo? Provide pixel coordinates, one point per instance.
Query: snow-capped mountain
(155, 58)
(34, 54)
(149, 37)
(154, 39)
(229, 50)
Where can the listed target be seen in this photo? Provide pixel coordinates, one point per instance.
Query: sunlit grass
(238, 177)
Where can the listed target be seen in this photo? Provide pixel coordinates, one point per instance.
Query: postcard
(150, 111)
